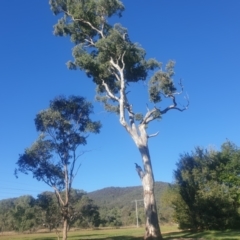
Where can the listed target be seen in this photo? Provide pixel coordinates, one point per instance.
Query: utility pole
(136, 205)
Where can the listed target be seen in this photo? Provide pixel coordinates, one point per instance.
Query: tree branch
(109, 93)
(153, 135)
(139, 170)
(131, 119)
(174, 105)
(88, 23)
(149, 116)
(58, 195)
(122, 99)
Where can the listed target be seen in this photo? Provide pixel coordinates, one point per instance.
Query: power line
(18, 189)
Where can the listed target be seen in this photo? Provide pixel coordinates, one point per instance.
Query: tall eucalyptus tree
(108, 56)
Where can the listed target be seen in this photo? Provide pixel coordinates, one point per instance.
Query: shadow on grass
(97, 237)
(226, 234)
(92, 237)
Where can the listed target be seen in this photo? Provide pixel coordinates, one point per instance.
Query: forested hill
(122, 196)
(112, 206)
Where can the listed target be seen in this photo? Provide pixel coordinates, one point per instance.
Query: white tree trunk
(152, 228)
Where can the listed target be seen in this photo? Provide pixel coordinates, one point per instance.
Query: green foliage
(49, 211)
(207, 188)
(98, 45)
(165, 209)
(85, 213)
(63, 128)
(23, 214)
(162, 83)
(117, 207)
(28, 214)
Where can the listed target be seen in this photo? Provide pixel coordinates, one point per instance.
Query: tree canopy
(63, 127)
(108, 56)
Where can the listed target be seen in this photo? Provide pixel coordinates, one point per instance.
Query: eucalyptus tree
(108, 56)
(63, 127)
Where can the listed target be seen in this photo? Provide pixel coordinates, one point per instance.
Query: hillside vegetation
(117, 204)
(111, 206)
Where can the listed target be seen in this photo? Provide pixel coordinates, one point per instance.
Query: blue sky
(203, 37)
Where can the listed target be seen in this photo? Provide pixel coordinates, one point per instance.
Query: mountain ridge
(120, 196)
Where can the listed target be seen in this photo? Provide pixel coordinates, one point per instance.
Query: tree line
(27, 213)
(109, 207)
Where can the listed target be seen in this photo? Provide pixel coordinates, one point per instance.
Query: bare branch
(174, 105)
(153, 135)
(72, 168)
(115, 65)
(147, 107)
(109, 93)
(77, 170)
(86, 22)
(131, 118)
(117, 77)
(123, 63)
(91, 43)
(58, 195)
(139, 171)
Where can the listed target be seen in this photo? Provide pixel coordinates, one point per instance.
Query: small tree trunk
(65, 228)
(152, 228)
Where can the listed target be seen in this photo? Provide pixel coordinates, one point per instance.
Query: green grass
(227, 234)
(169, 232)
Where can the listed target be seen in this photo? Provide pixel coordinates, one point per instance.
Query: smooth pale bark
(140, 137)
(152, 228)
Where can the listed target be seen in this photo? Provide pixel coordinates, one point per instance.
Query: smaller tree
(63, 127)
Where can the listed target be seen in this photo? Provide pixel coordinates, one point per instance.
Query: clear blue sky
(203, 37)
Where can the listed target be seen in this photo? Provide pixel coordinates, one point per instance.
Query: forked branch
(150, 115)
(174, 105)
(100, 32)
(174, 102)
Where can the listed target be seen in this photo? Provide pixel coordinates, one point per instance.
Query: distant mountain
(121, 196)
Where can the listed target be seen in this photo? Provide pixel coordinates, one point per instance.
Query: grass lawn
(169, 232)
(227, 234)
